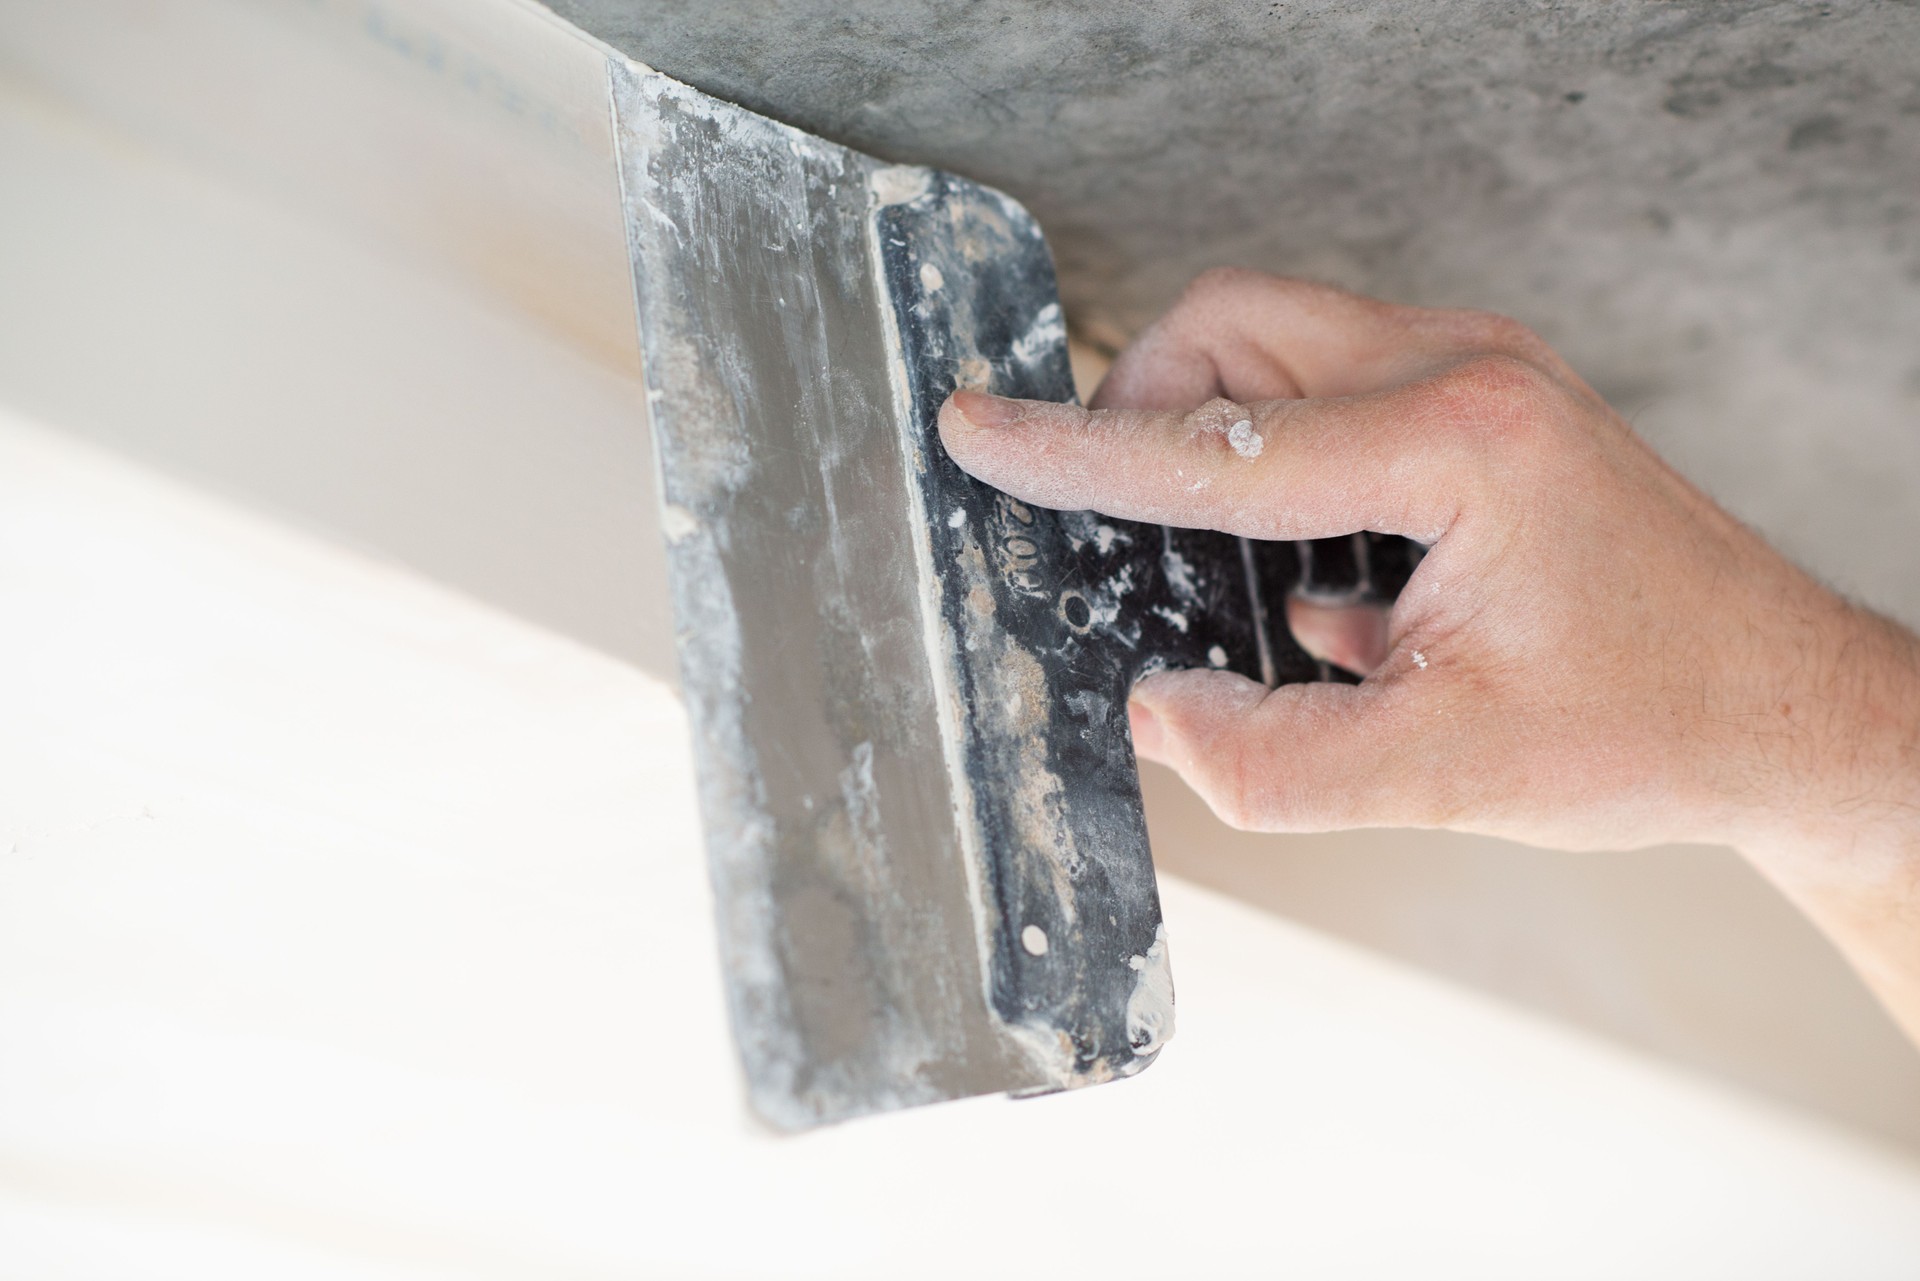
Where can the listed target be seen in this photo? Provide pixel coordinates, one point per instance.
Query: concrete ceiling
(1712, 207)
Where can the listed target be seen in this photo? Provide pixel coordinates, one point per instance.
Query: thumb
(1308, 757)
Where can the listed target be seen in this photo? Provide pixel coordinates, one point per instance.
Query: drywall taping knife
(907, 690)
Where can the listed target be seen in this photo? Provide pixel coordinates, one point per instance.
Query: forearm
(1847, 847)
(1864, 894)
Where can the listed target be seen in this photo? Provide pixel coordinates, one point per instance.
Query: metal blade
(907, 690)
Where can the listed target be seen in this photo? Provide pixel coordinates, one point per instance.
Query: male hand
(1591, 655)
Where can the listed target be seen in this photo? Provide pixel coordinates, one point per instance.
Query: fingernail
(1146, 728)
(983, 410)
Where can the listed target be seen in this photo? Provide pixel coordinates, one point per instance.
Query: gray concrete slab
(1712, 207)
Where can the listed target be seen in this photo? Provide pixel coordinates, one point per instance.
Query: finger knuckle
(1499, 400)
(1236, 789)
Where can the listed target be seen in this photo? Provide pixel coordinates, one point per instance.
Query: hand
(1591, 655)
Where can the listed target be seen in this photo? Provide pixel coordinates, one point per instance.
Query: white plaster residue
(897, 184)
(676, 522)
(1180, 575)
(1174, 616)
(657, 214)
(1105, 536)
(1089, 706)
(862, 801)
(1048, 331)
(974, 374)
(930, 277)
(958, 518)
(1150, 1008)
(1103, 602)
(1217, 656)
(1245, 440)
(806, 147)
(1420, 660)
(1034, 939)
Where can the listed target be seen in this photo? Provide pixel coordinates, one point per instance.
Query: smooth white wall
(260, 247)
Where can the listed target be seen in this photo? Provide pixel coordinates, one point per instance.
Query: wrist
(1843, 761)
(1841, 810)
(1845, 845)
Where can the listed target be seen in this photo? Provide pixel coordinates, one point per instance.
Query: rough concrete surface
(1712, 208)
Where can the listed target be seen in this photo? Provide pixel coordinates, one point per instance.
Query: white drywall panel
(349, 928)
(176, 287)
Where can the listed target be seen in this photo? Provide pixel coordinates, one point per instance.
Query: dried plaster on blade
(1011, 707)
(1014, 707)
(1018, 712)
(1013, 704)
(892, 185)
(709, 468)
(1103, 600)
(1047, 331)
(1178, 571)
(673, 372)
(855, 839)
(1012, 697)
(1150, 1008)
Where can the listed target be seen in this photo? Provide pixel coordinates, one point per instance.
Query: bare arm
(1592, 655)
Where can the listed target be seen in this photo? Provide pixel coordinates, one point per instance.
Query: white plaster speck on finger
(1246, 442)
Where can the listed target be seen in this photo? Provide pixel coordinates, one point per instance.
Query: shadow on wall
(1681, 951)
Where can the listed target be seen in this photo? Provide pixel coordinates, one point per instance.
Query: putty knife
(907, 690)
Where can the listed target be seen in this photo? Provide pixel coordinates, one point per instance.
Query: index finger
(1394, 461)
